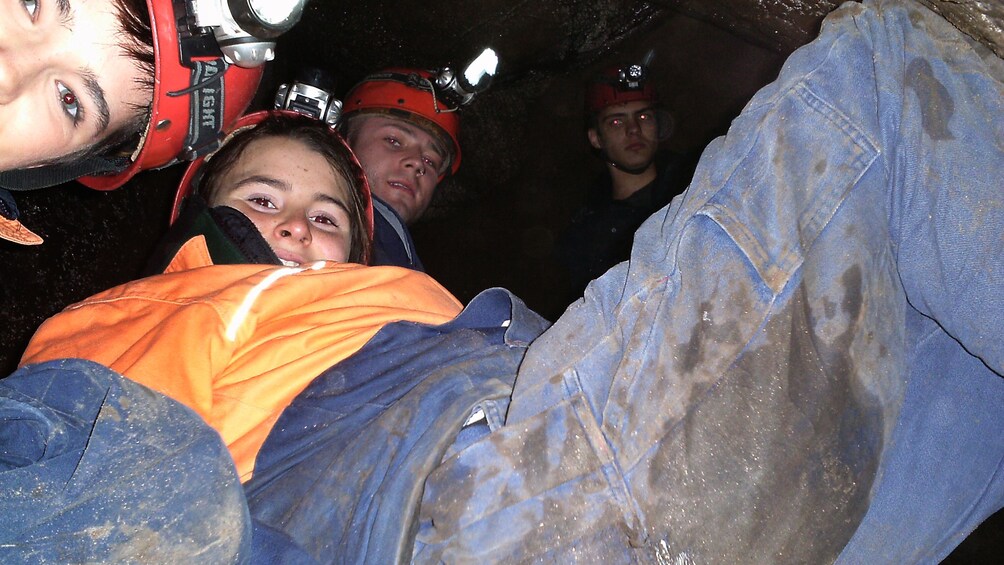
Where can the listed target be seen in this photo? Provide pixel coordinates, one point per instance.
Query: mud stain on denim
(693, 350)
(936, 104)
(784, 447)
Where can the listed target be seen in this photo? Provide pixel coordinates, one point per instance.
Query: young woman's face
(294, 197)
(65, 83)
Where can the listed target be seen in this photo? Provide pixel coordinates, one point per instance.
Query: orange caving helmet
(198, 95)
(408, 94)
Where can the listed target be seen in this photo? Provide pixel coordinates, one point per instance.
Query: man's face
(627, 133)
(65, 84)
(293, 196)
(403, 162)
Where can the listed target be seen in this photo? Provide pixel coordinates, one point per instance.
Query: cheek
(427, 185)
(264, 224)
(336, 247)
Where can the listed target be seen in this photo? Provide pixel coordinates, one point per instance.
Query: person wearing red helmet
(626, 124)
(407, 139)
(159, 94)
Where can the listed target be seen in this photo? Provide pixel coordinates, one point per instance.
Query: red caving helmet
(407, 94)
(618, 85)
(173, 132)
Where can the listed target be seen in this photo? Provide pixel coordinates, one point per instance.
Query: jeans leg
(96, 468)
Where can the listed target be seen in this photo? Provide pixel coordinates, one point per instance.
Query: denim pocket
(801, 164)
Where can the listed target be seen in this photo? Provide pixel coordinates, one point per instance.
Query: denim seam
(613, 474)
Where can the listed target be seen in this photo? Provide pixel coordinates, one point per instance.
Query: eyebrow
(97, 95)
(625, 114)
(413, 131)
(262, 179)
(65, 13)
(331, 200)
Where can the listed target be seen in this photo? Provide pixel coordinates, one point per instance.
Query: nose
(633, 126)
(295, 227)
(19, 62)
(413, 161)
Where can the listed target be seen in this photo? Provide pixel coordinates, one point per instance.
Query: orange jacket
(236, 343)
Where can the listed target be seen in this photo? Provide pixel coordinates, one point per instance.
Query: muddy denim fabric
(803, 351)
(341, 474)
(96, 468)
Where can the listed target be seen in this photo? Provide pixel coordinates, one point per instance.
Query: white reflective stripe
(245, 308)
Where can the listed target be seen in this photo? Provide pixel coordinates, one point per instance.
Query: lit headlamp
(460, 89)
(244, 30)
(632, 77)
(311, 94)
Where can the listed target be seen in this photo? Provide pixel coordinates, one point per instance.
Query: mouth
(404, 187)
(289, 259)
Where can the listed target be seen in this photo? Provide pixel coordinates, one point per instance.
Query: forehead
(625, 109)
(289, 160)
(367, 125)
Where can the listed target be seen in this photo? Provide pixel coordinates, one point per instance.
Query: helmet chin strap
(51, 175)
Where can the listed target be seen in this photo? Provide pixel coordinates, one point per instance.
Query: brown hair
(319, 138)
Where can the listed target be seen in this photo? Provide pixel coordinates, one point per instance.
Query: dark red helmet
(408, 94)
(619, 84)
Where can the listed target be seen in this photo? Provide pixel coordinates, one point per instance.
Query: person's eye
(30, 6)
(325, 220)
(393, 141)
(262, 201)
(431, 163)
(616, 123)
(644, 117)
(69, 102)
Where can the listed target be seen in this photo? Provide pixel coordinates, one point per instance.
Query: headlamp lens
(274, 12)
(483, 66)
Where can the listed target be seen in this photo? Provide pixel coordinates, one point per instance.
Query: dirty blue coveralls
(801, 362)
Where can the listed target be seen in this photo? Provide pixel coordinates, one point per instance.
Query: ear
(594, 138)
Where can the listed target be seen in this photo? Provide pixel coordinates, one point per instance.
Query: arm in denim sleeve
(947, 202)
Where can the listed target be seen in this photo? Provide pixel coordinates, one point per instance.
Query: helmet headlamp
(632, 77)
(459, 89)
(244, 30)
(311, 94)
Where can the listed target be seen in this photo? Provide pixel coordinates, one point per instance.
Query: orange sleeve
(174, 350)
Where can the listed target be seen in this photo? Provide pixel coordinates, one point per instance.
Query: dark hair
(319, 138)
(134, 16)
